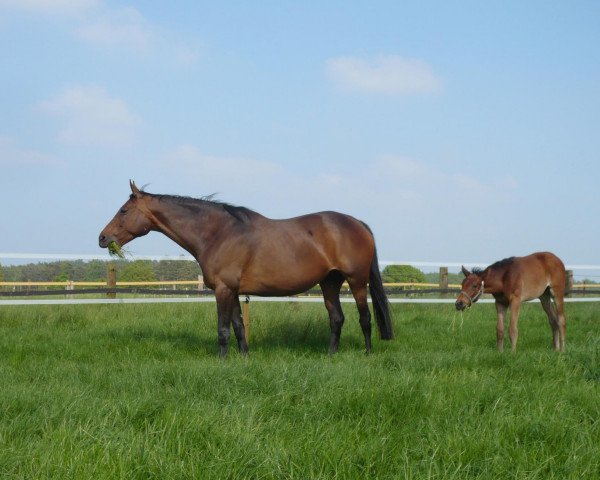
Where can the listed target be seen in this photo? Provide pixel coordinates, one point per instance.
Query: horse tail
(380, 301)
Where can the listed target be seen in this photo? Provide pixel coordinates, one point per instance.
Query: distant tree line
(96, 271)
(409, 274)
(168, 270)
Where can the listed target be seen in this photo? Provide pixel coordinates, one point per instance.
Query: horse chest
(501, 298)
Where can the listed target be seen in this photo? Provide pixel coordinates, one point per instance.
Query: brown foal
(515, 280)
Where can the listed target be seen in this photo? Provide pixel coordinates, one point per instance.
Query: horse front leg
(501, 311)
(238, 326)
(228, 310)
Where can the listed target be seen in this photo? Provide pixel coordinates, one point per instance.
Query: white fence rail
(117, 301)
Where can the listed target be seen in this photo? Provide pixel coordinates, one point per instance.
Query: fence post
(111, 279)
(200, 283)
(246, 316)
(70, 286)
(569, 285)
(444, 280)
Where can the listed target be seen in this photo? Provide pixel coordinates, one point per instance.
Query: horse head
(131, 221)
(471, 290)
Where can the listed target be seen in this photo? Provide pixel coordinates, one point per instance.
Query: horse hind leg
(558, 293)
(546, 299)
(359, 291)
(331, 286)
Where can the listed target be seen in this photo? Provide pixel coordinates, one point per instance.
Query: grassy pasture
(137, 391)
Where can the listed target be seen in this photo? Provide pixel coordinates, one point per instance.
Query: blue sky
(459, 131)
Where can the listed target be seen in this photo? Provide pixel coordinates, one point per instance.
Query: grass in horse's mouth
(115, 250)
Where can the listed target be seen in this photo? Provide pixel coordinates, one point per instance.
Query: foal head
(471, 290)
(131, 221)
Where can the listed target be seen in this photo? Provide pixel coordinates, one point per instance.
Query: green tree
(402, 273)
(95, 271)
(176, 269)
(138, 271)
(453, 278)
(1, 274)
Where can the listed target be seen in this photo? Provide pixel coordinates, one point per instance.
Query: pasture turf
(137, 392)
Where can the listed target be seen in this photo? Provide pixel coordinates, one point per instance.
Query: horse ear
(465, 272)
(134, 189)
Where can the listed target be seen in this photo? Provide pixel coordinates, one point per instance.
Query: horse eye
(123, 211)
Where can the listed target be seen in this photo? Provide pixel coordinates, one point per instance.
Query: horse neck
(190, 229)
(492, 279)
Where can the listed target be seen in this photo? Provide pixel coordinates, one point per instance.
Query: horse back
(531, 275)
(339, 240)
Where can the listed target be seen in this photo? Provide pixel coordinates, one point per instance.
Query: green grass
(137, 392)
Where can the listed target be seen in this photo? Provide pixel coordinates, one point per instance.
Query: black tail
(380, 301)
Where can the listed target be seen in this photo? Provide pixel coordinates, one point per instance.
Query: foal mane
(505, 262)
(242, 214)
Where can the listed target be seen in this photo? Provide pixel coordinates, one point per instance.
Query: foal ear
(465, 272)
(134, 189)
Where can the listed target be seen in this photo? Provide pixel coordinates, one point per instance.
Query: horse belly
(276, 276)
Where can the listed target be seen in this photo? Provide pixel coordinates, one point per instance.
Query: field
(137, 391)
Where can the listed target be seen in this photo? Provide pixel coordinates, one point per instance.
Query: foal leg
(546, 300)
(330, 286)
(501, 309)
(559, 298)
(513, 332)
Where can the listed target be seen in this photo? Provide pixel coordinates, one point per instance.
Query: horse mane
(505, 262)
(494, 266)
(242, 214)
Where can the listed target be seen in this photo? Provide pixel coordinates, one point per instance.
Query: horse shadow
(296, 337)
(310, 338)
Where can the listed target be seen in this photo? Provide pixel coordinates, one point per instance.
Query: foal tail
(380, 301)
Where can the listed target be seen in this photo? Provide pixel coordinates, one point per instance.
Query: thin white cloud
(113, 28)
(221, 173)
(186, 56)
(92, 117)
(118, 27)
(50, 6)
(409, 188)
(12, 155)
(413, 206)
(383, 74)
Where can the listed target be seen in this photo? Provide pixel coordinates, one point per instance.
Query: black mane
(499, 264)
(241, 214)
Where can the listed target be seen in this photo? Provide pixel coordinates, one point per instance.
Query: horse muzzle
(460, 305)
(104, 241)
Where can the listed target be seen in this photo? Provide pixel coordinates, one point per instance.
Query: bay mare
(515, 280)
(243, 252)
